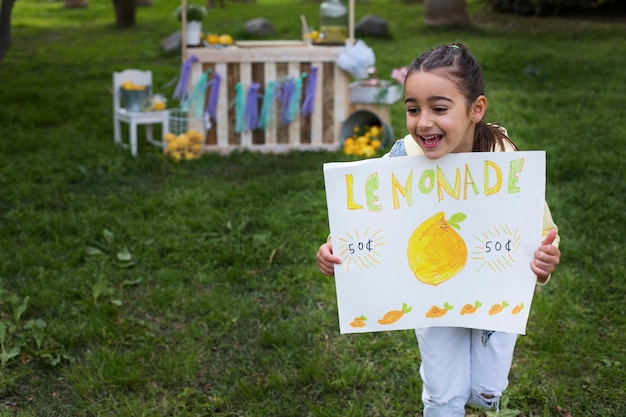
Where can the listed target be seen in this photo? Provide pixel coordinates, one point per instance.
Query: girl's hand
(326, 260)
(546, 258)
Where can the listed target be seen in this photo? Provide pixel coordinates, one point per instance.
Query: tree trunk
(210, 4)
(144, 3)
(72, 4)
(124, 13)
(6, 7)
(445, 13)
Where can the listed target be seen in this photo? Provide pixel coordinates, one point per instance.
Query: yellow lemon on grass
(436, 252)
(171, 147)
(226, 39)
(169, 137)
(182, 140)
(368, 151)
(194, 136)
(195, 147)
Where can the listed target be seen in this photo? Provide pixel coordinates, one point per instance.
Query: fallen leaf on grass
(563, 412)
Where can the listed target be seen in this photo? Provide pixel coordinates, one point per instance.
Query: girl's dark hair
(456, 62)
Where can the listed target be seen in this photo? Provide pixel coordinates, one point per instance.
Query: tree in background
(445, 13)
(6, 7)
(71, 4)
(124, 13)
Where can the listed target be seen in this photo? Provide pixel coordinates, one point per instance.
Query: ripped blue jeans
(463, 366)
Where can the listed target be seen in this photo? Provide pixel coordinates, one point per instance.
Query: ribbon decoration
(309, 95)
(294, 104)
(252, 109)
(239, 108)
(286, 95)
(183, 82)
(268, 99)
(197, 97)
(211, 108)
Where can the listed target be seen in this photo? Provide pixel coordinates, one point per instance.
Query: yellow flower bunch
(365, 141)
(184, 146)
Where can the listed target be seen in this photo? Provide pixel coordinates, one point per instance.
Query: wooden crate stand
(265, 61)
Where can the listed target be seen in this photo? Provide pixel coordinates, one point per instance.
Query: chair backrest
(135, 76)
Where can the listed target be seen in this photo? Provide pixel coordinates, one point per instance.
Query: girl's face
(438, 116)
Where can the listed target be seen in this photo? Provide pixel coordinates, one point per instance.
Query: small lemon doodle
(393, 316)
(470, 308)
(497, 308)
(517, 309)
(436, 312)
(358, 322)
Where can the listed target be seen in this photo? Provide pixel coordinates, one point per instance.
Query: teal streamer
(268, 100)
(294, 104)
(240, 107)
(197, 98)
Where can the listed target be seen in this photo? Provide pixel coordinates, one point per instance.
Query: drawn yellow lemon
(436, 252)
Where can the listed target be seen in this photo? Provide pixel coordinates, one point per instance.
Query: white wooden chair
(135, 118)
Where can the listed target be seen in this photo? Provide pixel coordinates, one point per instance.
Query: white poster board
(443, 242)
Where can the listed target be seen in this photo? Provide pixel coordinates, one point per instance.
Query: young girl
(445, 106)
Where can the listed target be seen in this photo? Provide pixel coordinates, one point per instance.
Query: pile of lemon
(215, 39)
(365, 141)
(184, 146)
(129, 85)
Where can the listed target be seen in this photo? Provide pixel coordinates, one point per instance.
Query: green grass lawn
(144, 287)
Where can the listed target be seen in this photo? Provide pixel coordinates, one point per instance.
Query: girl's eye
(439, 109)
(412, 110)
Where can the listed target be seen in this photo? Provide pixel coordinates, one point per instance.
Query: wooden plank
(268, 54)
(269, 44)
(245, 78)
(305, 121)
(328, 103)
(258, 76)
(317, 133)
(222, 106)
(282, 130)
(232, 78)
(342, 102)
(270, 129)
(211, 134)
(294, 126)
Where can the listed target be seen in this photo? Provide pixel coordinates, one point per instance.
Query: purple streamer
(211, 107)
(183, 82)
(286, 96)
(309, 96)
(252, 107)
